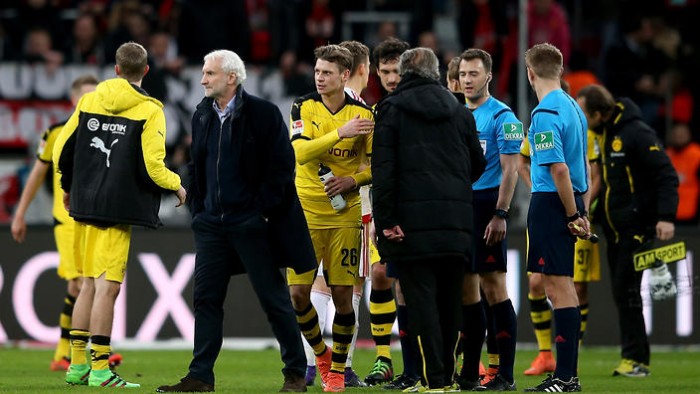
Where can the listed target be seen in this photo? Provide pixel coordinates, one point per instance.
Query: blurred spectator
(207, 25)
(547, 22)
(261, 50)
(685, 157)
(482, 24)
(128, 21)
(579, 74)
(636, 69)
(38, 48)
(320, 23)
(428, 39)
(38, 14)
(7, 49)
(285, 26)
(290, 79)
(162, 49)
(86, 46)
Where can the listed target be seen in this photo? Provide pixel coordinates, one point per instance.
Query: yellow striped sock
(78, 345)
(308, 324)
(343, 329)
(100, 350)
(541, 315)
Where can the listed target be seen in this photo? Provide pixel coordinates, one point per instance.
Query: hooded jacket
(110, 154)
(426, 156)
(640, 185)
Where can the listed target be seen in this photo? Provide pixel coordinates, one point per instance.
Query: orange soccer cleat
(543, 363)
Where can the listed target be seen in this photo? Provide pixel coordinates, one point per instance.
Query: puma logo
(316, 124)
(99, 144)
(638, 238)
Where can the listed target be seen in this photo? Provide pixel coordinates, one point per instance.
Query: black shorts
(551, 249)
(486, 258)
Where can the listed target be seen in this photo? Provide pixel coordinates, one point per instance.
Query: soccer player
(63, 223)
(586, 267)
(117, 136)
(320, 293)
(330, 128)
(557, 138)
(500, 135)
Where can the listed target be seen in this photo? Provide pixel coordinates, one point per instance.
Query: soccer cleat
(107, 378)
(453, 388)
(482, 369)
(335, 383)
(402, 382)
(498, 383)
(310, 375)
(352, 380)
(323, 362)
(632, 369)
(382, 372)
(78, 374)
(60, 365)
(489, 376)
(542, 364)
(556, 385)
(416, 388)
(467, 385)
(115, 360)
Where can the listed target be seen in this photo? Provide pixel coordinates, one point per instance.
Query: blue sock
(408, 355)
(505, 333)
(474, 323)
(566, 331)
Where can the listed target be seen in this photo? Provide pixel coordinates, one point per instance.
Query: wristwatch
(501, 213)
(573, 217)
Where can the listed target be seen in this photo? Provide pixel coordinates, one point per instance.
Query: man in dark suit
(246, 218)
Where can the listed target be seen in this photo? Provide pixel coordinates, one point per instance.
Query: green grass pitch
(26, 371)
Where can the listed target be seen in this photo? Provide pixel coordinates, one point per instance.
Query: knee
(300, 299)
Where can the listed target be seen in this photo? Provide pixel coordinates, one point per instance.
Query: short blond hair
(545, 60)
(342, 57)
(132, 59)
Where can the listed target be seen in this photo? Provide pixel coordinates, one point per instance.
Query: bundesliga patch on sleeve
(513, 131)
(544, 141)
(297, 127)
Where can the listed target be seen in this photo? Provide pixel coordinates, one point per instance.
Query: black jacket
(267, 163)
(426, 155)
(640, 185)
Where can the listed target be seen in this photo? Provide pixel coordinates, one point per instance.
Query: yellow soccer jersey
(45, 153)
(314, 133)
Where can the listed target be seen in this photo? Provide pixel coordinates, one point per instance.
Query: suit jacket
(267, 163)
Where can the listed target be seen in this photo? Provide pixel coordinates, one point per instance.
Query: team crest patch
(297, 127)
(544, 141)
(513, 131)
(617, 144)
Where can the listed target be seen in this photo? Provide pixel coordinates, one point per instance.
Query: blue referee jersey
(500, 133)
(558, 135)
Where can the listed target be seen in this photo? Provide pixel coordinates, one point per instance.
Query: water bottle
(661, 284)
(325, 174)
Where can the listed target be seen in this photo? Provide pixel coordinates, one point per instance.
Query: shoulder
(304, 101)
(357, 103)
(257, 103)
(55, 127)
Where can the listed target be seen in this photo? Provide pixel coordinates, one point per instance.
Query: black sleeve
(659, 169)
(65, 163)
(384, 170)
(194, 199)
(279, 169)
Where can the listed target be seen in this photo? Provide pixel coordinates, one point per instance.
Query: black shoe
(467, 385)
(556, 385)
(293, 383)
(499, 383)
(402, 382)
(187, 385)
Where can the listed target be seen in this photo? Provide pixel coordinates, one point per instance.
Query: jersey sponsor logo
(513, 131)
(544, 141)
(98, 144)
(297, 127)
(115, 128)
(342, 152)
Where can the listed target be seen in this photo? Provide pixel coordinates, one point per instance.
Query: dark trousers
(432, 289)
(223, 250)
(626, 287)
